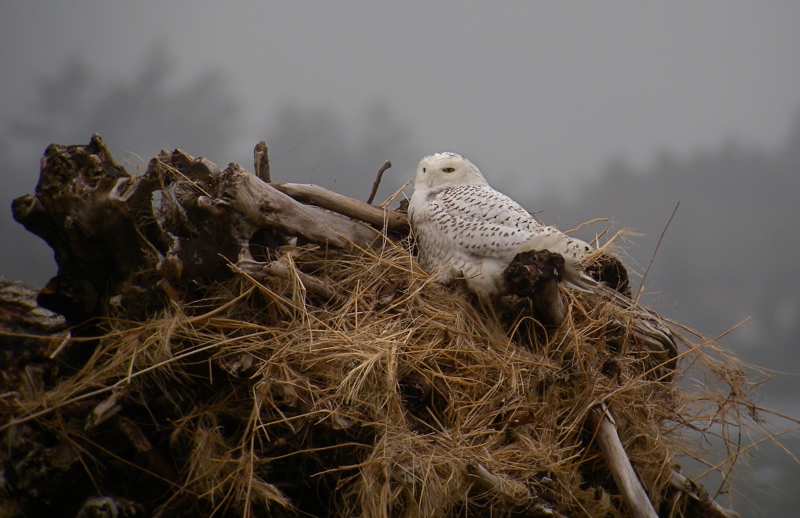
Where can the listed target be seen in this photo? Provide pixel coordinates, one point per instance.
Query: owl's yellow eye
(448, 170)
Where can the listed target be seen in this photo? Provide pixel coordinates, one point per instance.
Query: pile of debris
(233, 346)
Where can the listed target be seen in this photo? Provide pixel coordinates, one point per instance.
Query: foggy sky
(550, 90)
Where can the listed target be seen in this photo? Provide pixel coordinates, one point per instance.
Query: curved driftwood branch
(262, 205)
(634, 495)
(316, 195)
(377, 183)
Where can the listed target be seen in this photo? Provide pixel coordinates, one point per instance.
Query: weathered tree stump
(104, 232)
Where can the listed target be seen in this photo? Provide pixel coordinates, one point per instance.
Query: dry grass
(383, 404)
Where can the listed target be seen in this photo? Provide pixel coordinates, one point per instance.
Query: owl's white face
(444, 170)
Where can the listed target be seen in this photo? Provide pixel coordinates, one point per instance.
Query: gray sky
(549, 89)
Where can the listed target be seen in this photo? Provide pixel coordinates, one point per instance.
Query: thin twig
(386, 165)
(699, 495)
(641, 284)
(259, 270)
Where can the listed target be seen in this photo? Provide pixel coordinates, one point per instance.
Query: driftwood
(118, 256)
(702, 501)
(100, 223)
(321, 197)
(628, 483)
(386, 165)
(263, 206)
(261, 162)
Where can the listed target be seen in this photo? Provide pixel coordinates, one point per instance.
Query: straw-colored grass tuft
(401, 397)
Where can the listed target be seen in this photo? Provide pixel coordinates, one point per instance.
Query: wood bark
(102, 226)
(261, 162)
(263, 206)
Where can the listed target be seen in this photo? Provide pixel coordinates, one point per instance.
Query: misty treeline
(729, 253)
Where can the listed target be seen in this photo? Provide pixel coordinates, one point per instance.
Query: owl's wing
(481, 221)
(492, 224)
(471, 227)
(482, 203)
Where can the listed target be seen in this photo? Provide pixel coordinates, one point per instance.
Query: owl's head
(444, 170)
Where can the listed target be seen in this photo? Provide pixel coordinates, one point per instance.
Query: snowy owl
(464, 228)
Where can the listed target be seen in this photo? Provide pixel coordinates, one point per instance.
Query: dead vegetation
(237, 352)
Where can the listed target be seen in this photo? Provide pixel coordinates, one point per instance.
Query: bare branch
(263, 205)
(386, 165)
(639, 505)
(321, 197)
(699, 496)
(280, 270)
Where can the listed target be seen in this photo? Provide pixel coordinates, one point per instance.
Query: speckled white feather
(464, 228)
